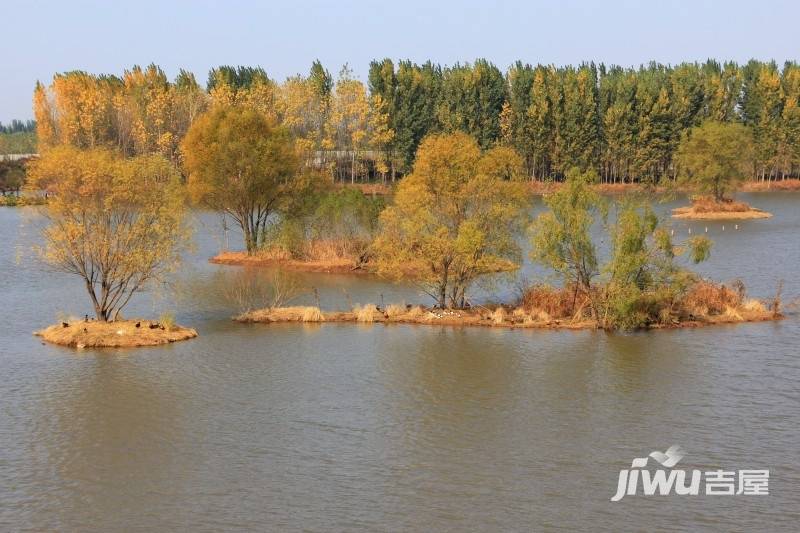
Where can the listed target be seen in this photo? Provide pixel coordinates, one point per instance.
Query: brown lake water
(391, 428)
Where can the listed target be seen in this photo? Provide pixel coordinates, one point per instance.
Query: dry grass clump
(519, 314)
(712, 302)
(499, 315)
(550, 301)
(415, 312)
(754, 306)
(313, 314)
(395, 310)
(366, 313)
(118, 334)
(707, 298)
(297, 313)
(730, 313)
(335, 250)
(707, 204)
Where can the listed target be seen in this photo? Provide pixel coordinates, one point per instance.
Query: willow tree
(117, 223)
(240, 164)
(714, 157)
(561, 236)
(454, 219)
(643, 280)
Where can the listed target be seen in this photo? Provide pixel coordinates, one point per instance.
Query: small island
(118, 334)
(338, 265)
(714, 158)
(117, 224)
(706, 208)
(705, 303)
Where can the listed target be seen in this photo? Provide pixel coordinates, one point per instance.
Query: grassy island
(706, 208)
(714, 159)
(336, 265)
(705, 303)
(117, 334)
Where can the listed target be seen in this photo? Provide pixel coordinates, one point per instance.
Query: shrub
(499, 315)
(555, 302)
(706, 298)
(707, 204)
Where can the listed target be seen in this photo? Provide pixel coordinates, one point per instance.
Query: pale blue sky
(40, 38)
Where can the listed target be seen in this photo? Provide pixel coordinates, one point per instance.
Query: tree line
(18, 126)
(18, 137)
(624, 123)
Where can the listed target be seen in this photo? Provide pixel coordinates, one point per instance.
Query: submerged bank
(118, 334)
(332, 266)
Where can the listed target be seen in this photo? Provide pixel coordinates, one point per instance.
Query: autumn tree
(561, 236)
(714, 157)
(454, 219)
(642, 278)
(116, 223)
(626, 123)
(242, 165)
(639, 279)
(304, 111)
(349, 118)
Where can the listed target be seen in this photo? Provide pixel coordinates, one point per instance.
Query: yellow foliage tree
(454, 218)
(380, 133)
(303, 110)
(240, 164)
(117, 223)
(349, 118)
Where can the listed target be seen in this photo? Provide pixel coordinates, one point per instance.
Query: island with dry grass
(713, 160)
(331, 264)
(705, 303)
(89, 333)
(707, 208)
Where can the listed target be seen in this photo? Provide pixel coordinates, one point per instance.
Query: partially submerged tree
(454, 219)
(117, 223)
(714, 157)
(240, 164)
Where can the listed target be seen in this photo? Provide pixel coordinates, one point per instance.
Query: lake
(341, 427)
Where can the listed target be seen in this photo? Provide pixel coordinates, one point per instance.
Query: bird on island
(138, 324)
(64, 325)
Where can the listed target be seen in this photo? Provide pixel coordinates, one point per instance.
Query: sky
(41, 38)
